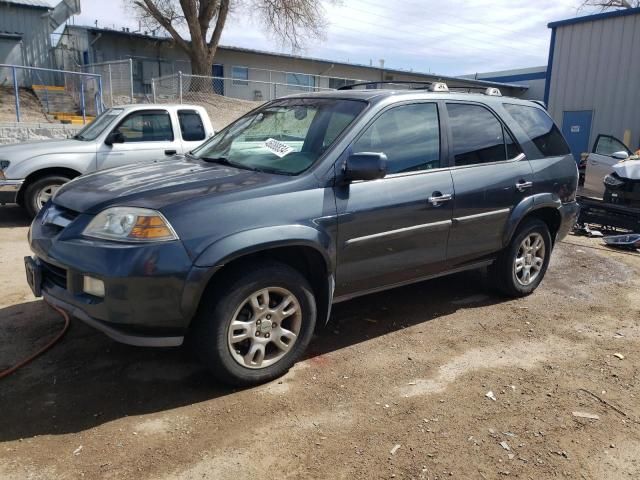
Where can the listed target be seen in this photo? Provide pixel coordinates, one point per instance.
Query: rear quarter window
(191, 125)
(540, 129)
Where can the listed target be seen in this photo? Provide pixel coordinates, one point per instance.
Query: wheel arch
(45, 172)
(545, 207)
(314, 259)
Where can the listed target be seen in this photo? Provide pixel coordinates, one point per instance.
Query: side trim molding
(389, 233)
(477, 216)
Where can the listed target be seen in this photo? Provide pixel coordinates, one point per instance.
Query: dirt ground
(30, 108)
(395, 387)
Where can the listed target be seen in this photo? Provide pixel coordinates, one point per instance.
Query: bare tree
(288, 20)
(611, 4)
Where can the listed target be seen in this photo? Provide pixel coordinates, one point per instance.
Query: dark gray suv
(244, 244)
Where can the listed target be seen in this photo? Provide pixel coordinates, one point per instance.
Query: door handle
(522, 185)
(170, 152)
(437, 198)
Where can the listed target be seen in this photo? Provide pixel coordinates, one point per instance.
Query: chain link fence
(42, 94)
(117, 81)
(186, 88)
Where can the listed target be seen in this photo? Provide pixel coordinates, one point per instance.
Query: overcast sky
(446, 37)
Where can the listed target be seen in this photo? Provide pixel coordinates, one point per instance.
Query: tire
(506, 276)
(40, 190)
(213, 337)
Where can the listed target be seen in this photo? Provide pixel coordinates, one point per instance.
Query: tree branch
(223, 11)
(151, 9)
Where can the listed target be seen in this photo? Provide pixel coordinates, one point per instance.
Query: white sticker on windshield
(278, 148)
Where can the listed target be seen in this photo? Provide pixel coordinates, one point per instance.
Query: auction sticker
(278, 148)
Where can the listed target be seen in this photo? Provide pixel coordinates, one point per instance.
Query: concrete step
(56, 99)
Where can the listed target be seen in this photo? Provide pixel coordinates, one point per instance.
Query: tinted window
(540, 129)
(408, 135)
(478, 136)
(149, 126)
(608, 145)
(191, 125)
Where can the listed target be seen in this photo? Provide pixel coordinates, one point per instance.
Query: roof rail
(413, 85)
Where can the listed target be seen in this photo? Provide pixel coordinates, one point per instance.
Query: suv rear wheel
(256, 327)
(40, 191)
(520, 268)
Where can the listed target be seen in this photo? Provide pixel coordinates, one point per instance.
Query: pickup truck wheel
(40, 191)
(520, 268)
(256, 327)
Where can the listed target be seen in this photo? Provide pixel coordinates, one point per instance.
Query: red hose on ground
(64, 314)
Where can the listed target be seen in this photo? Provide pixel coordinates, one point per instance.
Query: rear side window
(191, 125)
(409, 135)
(478, 136)
(540, 129)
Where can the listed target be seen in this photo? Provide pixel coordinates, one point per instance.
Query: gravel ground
(395, 387)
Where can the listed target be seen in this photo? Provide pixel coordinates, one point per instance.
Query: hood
(628, 169)
(155, 185)
(21, 151)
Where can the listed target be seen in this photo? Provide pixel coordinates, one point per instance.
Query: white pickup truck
(31, 172)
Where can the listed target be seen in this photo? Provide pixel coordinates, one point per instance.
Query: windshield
(95, 128)
(284, 137)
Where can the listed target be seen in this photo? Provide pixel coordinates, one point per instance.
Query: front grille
(58, 218)
(57, 275)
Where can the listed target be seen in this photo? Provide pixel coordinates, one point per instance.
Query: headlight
(130, 224)
(612, 181)
(4, 164)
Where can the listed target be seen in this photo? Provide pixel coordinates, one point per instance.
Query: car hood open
(155, 185)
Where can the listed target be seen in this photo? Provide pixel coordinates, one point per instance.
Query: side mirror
(621, 155)
(114, 137)
(365, 166)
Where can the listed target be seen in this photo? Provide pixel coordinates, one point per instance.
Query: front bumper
(568, 217)
(144, 283)
(9, 190)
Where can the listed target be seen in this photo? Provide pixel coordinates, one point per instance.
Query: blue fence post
(101, 105)
(84, 115)
(17, 92)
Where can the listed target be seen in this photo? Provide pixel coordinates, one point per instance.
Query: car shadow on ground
(13, 216)
(87, 379)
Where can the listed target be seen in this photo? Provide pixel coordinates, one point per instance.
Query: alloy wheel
(265, 327)
(529, 259)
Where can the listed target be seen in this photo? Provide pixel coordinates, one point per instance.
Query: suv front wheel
(256, 327)
(520, 268)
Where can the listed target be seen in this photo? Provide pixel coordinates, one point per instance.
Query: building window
(240, 76)
(300, 79)
(340, 82)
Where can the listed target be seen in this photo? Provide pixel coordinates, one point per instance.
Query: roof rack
(492, 91)
(413, 85)
(417, 85)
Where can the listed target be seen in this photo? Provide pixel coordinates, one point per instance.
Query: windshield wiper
(77, 136)
(226, 161)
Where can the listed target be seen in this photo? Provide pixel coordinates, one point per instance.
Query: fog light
(93, 286)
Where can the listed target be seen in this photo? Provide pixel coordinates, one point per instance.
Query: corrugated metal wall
(596, 66)
(33, 24)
